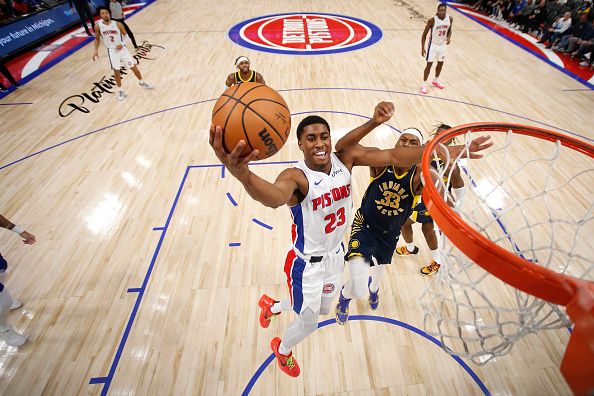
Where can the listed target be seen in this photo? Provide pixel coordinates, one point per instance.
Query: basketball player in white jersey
(114, 38)
(7, 302)
(441, 33)
(318, 193)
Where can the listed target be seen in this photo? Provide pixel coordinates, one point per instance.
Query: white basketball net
(534, 198)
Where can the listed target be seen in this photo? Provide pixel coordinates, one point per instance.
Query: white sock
(356, 287)
(436, 79)
(283, 305)
(410, 246)
(424, 83)
(5, 303)
(436, 255)
(377, 271)
(4, 318)
(141, 81)
(304, 324)
(282, 350)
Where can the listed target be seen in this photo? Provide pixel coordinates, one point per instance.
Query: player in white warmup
(114, 39)
(441, 33)
(318, 194)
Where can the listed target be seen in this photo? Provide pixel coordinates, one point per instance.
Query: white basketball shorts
(310, 281)
(119, 59)
(436, 53)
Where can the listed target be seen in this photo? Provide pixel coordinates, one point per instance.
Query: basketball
(256, 114)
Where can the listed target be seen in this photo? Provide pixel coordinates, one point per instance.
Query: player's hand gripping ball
(256, 114)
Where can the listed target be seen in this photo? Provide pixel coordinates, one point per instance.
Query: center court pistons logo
(305, 33)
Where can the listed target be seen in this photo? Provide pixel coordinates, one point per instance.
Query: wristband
(17, 229)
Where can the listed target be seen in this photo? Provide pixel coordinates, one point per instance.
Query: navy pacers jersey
(239, 80)
(388, 201)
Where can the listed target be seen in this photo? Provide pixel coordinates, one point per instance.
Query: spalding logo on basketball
(305, 33)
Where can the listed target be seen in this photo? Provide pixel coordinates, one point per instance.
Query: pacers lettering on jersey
(336, 194)
(393, 193)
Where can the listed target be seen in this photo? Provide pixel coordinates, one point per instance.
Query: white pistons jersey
(112, 37)
(322, 218)
(439, 32)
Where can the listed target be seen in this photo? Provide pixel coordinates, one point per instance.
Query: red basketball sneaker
(287, 364)
(437, 84)
(266, 314)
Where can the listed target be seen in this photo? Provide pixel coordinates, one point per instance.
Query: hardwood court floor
(126, 168)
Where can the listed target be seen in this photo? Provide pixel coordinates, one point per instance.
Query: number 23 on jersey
(331, 219)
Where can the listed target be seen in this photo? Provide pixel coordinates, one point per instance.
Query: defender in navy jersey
(385, 207)
(243, 73)
(421, 215)
(318, 194)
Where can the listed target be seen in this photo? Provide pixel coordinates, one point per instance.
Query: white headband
(241, 59)
(414, 132)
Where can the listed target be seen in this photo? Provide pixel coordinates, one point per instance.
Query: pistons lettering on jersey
(442, 30)
(108, 32)
(336, 194)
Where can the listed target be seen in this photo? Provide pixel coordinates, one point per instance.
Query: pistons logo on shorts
(327, 289)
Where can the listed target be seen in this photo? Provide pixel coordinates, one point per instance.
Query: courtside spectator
(553, 33)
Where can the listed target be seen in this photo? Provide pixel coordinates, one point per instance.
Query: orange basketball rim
(577, 295)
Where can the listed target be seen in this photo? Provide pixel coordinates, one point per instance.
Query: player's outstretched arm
(404, 157)
(269, 194)
(382, 113)
(28, 239)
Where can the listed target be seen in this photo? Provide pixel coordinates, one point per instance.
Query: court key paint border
(107, 380)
